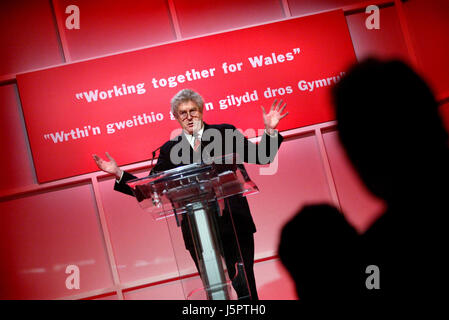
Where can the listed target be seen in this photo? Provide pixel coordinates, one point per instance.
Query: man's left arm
(268, 146)
(271, 140)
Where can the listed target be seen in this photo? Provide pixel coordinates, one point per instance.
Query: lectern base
(203, 220)
(204, 294)
(193, 194)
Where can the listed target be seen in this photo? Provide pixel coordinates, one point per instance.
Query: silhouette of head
(388, 123)
(318, 248)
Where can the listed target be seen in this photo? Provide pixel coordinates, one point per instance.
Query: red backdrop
(89, 107)
(121, 252)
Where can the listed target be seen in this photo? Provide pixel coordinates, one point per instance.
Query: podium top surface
(170, 191)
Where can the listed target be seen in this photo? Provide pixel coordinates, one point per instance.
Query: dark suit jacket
(241, 214)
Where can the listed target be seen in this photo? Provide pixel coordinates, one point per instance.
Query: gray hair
(186, 95)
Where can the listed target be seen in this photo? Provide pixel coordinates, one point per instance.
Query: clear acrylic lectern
(192, 198)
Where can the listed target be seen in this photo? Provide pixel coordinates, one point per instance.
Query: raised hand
(272, 118)
(108, 166)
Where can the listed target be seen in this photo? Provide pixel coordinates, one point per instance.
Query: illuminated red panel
(142, 246)
(428, 22)
(204, 16)
(301, 7)
(43, 234)
(28, 36)
(273, 281)
(299, 180)
(359, 206)
(110, 26)
(16, 164)
(387, 42)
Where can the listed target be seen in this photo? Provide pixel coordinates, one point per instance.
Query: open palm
(107, 166)
(272, 118)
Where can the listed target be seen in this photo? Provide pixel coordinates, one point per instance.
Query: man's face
(189, 117)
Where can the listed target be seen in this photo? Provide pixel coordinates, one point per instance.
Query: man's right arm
(121, 176)
(121, 186)
(163, 163)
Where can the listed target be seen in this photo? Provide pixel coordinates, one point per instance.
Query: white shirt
(199, 134)
(191, 138)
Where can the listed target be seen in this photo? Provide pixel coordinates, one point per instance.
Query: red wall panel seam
(349, 9)
(8, 79)
(327, 168)
(174, 19)
(107, 238)
(61, 31)
(90, 294)
(406, 33)
(286, 8)
(361, 6)
(58, 32)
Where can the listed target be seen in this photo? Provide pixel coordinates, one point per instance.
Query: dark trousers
(236, 271)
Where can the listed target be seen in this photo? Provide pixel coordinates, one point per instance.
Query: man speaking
(187, 108)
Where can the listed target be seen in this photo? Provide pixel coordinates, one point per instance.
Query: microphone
(152, 158)
(154, 153)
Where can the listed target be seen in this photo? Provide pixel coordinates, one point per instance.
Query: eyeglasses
(184, 114)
